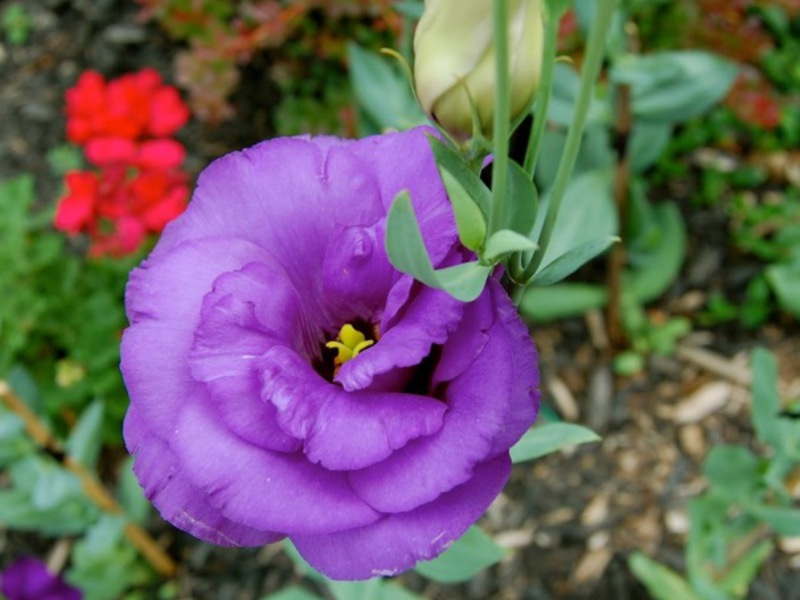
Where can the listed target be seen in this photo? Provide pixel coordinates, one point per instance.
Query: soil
(571, 519)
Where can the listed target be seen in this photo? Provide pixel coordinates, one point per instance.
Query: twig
(94, 490)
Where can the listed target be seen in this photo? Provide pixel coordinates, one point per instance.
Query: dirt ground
(572, 518)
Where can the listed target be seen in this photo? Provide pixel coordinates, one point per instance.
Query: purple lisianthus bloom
(286, 380)
(28, 579)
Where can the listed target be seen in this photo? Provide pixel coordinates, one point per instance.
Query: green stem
(595, 50)
(544, 90)
(502, 113)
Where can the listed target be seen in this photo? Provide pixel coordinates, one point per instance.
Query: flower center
(348, 344)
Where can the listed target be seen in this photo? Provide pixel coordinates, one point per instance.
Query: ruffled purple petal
(478, 404)
(178, 500)
(397, 542)
(428, 319)
(164, 299)
(261, 489)
(357, 275)
(404, 161)
(524, 394)
(343, 430)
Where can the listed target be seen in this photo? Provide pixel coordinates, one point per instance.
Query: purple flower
(286, 380)
(28, 579)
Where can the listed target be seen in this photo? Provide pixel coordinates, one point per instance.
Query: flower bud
(454, 68)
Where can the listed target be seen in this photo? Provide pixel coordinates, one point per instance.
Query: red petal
(103, 151)
(161, 154)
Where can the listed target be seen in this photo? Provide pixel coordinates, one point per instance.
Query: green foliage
(746, 498)
(65, 317)
(550, 437)
(16, 24)
(472, 553)
(104, 564)
(383, 92)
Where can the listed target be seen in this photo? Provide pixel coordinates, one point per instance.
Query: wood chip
(692, 439)
(715, 363)
(517, 538)
(592, 566)
(705, 401)
(563, 398)
(596, 511)
(789, 545)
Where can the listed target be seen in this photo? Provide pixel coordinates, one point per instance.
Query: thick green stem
(595, 50)
(502, 113)
(544, 90)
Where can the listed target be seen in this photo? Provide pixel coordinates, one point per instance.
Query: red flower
(119, 207)
(139, 187)
(133, 106)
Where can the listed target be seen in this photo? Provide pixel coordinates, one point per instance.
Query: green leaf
(449, 160)
(408, 254)
(410, 9)
(470, 221)
(661, 582)
(464, 282)
(569, 262)
(783, 519)
(660, 263)
(469, 555)
(85, 440)
(131, 496)
(104, 564)
(766, 403)
(292, 593)
(734, 471)
(504, 242)
(673, 87)
(784, 279)
(647, 143)
(542, 304)
(738, 578)
(382, 91)
(522, 201)
(404, 243)
(372, 589)
(587, 213)
(550, 437)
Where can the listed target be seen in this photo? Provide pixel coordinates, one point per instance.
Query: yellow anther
(350, 342)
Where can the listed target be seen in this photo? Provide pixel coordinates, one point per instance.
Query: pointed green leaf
(449, 160)
(469, 219)
(464, 282)
(662, 582)
(522, 201)
(540, 304)
(504, 242)
(85, 439)
(739, 577)
(783, 519)
(469, 555)
(550, 437)
(766, 403)
(659, 265)
(292, 592)
(408, 254)
(382, 91)
(572, 260)
(404, 243)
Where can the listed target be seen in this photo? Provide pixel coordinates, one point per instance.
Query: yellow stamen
(350, 342)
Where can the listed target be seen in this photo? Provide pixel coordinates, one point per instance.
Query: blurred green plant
(747, 503)
(63, 322)
(16, 24)
(632, 119)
